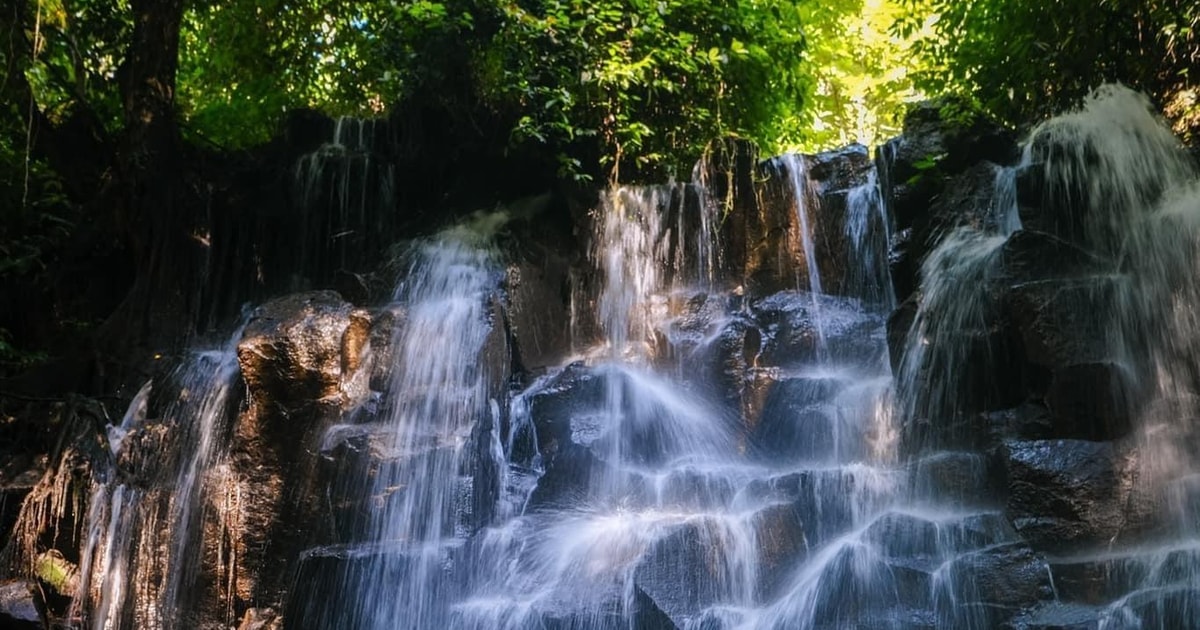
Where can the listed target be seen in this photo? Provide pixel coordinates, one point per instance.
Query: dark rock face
(574, 394)
(727, 171)
(799, 408)
(305, 359)
(936, 175)
(303, 349)
(683, 572)
(782, 544)
(19, 609)
(1068, 494)
(826, 182)
(540, 311)
(610, 614)
(1000, 581)
(761, 233)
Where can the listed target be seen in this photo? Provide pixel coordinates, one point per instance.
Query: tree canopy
(104, 97)
(1026, 59)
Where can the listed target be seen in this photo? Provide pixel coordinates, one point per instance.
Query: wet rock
(967, 478)
(353, 287)
(793, 328)
(938, 174)
(148, 454)
(561, 410)
(826, 183)
(904, 263)
(539, 310)
(1058, 616)
(305, 360)
(1173, 607)
(799, 421)
(728, 170)
(1097, 578)
(782, 544)
(694, 567)
(840, 169)
(567, 479)
(319, 599)
(940, 137)
(19, 607)
(927, 540)
(496, 355)
(55, 571)
(1067, 494)
(856, 587)
(789, 334)
(723, 362)
(303, 349)
(899, 324)
(1029, 255)
(261, 619)
(826, 501)
(386, 324)
(996, 583)
(1029, 421)
(1091, 401)
(611, 613)
(1101, 577)
(1062, 322)
(1063, 328)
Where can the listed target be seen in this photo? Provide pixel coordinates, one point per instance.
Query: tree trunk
(154, 210)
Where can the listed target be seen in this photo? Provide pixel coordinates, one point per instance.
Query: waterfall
(792, 166)
(648, 507)
(869, 233)
(343, 191)
(1134, 195)
(1014, 444)
(1111, 191)
(138, 562)
(424, 479)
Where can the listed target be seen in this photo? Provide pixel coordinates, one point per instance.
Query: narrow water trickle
(344, 193)
(793, 167)
(138, 562)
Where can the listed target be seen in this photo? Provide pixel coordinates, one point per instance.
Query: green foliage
(862, 72)
(76, 50)
(36, 221)
(1023, 59)
(651, 81)
(642, 83)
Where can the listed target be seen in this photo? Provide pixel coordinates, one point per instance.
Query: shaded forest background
(130, 126)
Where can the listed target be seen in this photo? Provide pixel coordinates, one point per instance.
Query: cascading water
(724, 462)
(1128, 191)
(793, 167)
(425, 472)
(1120, 202)
(344, 192)
(656, 506)
(138, 566)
